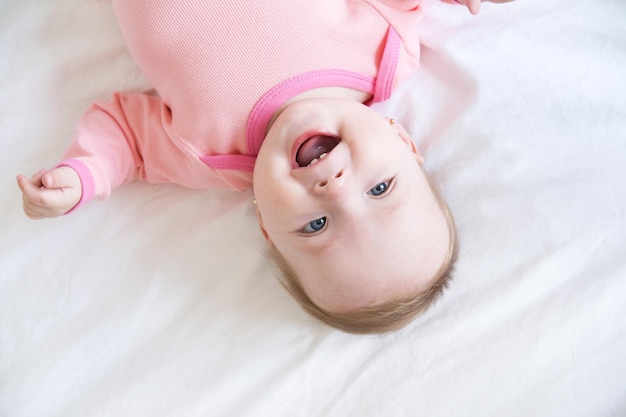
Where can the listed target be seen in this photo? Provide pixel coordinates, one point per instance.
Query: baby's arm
(50, 193)
(109, 147)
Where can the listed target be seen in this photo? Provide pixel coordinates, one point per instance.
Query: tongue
(313, 147)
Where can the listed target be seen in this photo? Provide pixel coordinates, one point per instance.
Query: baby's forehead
(363, 287)
(368, 272)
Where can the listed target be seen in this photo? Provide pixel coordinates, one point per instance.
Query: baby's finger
(36, 178)
(34, 194)
(29, 193)
(55, 179)
(63, 177)
(472, 5)
(30, 188)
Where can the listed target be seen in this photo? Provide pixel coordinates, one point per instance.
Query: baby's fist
(50, 193)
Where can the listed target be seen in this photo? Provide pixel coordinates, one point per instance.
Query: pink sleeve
(110, 140)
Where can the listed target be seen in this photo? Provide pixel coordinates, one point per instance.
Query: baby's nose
(332, 184)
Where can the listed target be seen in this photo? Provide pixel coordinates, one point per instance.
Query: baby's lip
(301, 140)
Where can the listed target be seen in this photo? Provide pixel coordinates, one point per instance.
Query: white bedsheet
(159, 302)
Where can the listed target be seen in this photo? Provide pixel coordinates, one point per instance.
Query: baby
(274, 96)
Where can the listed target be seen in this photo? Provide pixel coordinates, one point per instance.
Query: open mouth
(314, 149)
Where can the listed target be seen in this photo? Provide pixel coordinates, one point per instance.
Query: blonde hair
(380, 318)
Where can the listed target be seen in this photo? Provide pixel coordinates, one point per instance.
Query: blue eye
(315, 226)
(379, 189)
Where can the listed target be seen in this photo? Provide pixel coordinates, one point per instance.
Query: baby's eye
(379, 189)
(315, 226)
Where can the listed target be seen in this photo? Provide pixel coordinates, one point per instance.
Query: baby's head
(364, 241)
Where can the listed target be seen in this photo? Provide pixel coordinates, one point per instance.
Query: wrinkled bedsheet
(160, 301)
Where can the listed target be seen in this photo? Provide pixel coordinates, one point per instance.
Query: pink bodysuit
(220, 69)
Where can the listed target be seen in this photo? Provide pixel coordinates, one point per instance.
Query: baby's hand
(50, 193)
(474, 5)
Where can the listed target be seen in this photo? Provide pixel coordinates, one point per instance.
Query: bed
(161, 302)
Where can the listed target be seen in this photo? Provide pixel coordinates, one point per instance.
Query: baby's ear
(263, 231)
(406, 138)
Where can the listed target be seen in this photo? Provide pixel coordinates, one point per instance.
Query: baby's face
(359, 225)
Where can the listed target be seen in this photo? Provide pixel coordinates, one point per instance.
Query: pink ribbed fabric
(220, 70)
